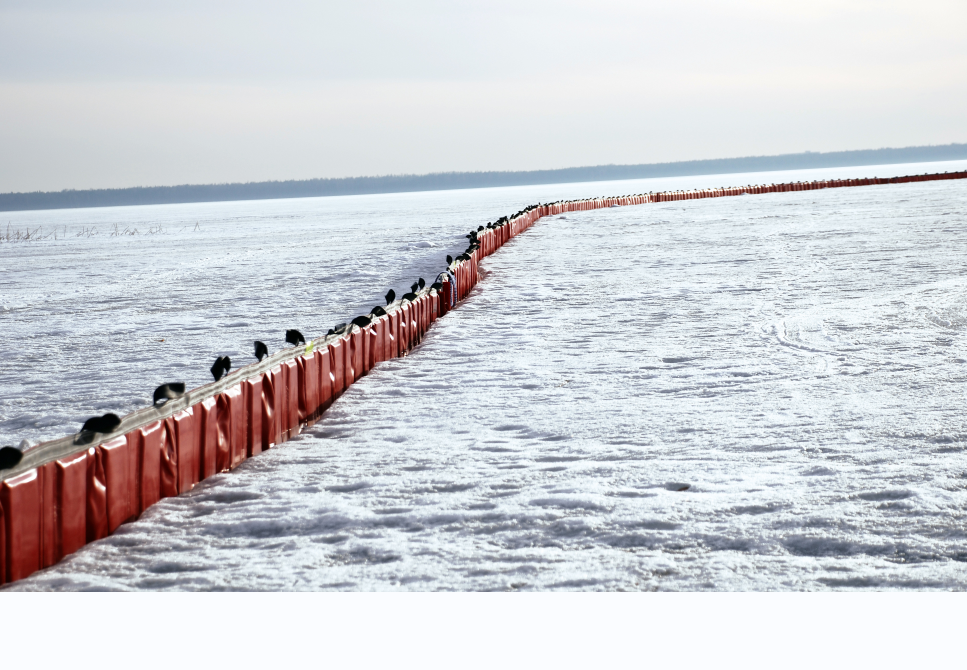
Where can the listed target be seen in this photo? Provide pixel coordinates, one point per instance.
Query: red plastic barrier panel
(48, 514)
(337, 364)
(358, 352)
(252, 400)
(21, 498)
(292, 427)
(393, 336)
(235, 399)
(309, 388)
(189, 463)
(374, 346)
(325, 379)
(97, 524)
(216, 455)
(404, 328)
(366, 347)
(380, 325)
(71, 502)
(120, 462)
(150, 441)
(413, 325)
(271, 401)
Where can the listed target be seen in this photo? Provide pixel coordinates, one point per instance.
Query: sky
(117, 94)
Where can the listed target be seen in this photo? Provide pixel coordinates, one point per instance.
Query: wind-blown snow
(795, 362)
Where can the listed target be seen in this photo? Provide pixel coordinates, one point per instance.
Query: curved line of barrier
(64, 494)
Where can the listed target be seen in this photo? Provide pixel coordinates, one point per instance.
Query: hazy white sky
(113, 94)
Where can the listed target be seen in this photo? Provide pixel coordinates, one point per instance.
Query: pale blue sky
(111, 95)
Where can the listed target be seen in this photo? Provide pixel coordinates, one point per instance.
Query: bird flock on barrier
(108, 423)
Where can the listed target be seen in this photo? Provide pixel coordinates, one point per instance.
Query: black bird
(479, 228)
(414, 287)
(331, 331)
(409, 296)
(437, 286)
(221, 367)
(421, 282)
(362, 321)
(449, 260)
(261, 351)
(390, 296)
(340, 328)
(378, 311)
(102, 424)
(169, 391)
(294, 337)
(9, 457)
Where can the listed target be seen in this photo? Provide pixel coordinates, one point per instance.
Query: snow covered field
(795, 360)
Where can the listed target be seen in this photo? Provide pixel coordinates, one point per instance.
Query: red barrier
(338, 367)
(253, 400)
(358, 344)
(97, 523)
(271, 397)
(393, 336)
(71, 503)
(309, 388)
(404, 329)
(21, 498)
(291, 426)
(120, 463)
(325, 380)
(216, 454)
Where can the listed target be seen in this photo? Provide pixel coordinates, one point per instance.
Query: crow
(479, 228)
(340, 328)
(169, 391)
(409, 296)
(414, 287)
(378, 311)
(437, 286)
(449, 260)
(261, 351)
(221, 367)
(422, 283)
(102, 424)
(294, 337)
(390, 296)
(9, 457)
(362, 321)
(331, 331)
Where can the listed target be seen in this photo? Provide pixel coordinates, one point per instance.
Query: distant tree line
(267, 190)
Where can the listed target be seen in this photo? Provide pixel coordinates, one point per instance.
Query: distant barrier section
(64, 493)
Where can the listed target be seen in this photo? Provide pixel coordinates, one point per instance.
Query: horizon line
(453, 180)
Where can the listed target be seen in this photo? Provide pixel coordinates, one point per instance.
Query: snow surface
(796, 360)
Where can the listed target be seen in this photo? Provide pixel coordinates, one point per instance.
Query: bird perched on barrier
(414, 287)
(102, 424)
(9, 457)
(169, 391)
(449, 260)
(437, 286)
(421, 283)
(390, 296)
(97, 424)
(340, 328)
(479, 228)
(221, 367)
(409, 296)
(362, 321)
(294, 337)
(261, 351)
(378, 311)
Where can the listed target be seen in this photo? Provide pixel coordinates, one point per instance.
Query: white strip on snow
(795, 359)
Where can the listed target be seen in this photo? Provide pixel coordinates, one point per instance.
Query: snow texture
(749, 393)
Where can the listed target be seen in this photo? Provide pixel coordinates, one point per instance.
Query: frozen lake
(795, 360)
